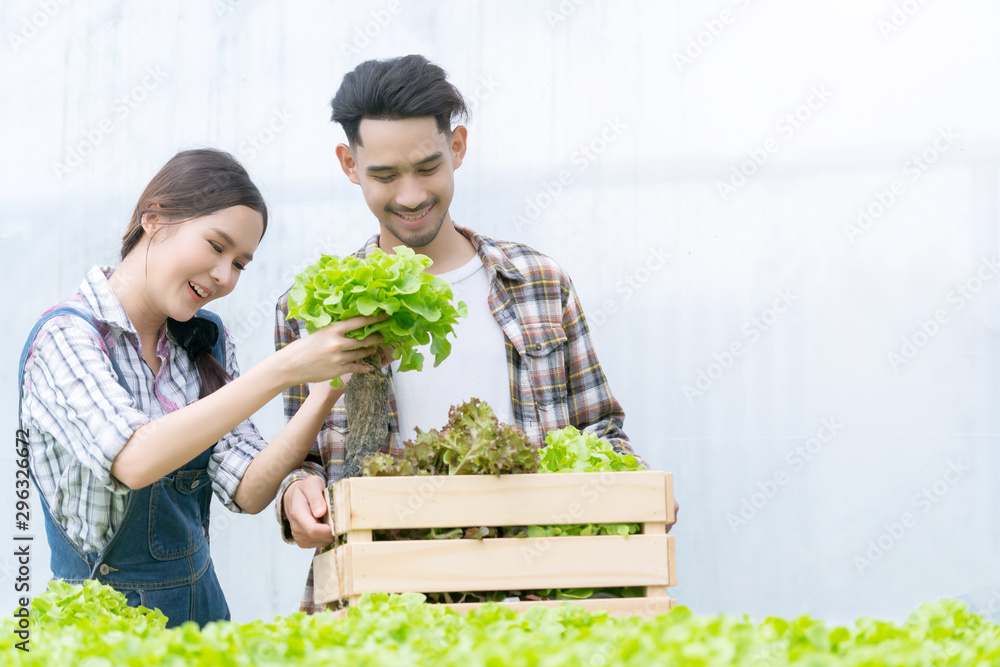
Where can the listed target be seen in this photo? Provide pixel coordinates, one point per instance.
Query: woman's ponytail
(198, 336)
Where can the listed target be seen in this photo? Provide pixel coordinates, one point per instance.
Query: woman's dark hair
(394, 89)
(192, 184)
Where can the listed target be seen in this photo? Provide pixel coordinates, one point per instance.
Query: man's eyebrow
(228, 239)
(430, 158)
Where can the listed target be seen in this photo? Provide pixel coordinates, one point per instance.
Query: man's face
(406, 171)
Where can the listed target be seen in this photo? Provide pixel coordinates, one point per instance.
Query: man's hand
(306, 509)
(677, 508)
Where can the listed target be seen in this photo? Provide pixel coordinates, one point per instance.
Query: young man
(524, 347)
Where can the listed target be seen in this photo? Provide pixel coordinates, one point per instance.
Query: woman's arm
(165, 444)
(287, 450)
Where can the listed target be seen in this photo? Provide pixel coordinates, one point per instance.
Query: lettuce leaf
(569, 450)
(91, 625)
(472, 442)
(419, 305)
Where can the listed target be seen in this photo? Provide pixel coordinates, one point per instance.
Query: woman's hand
(325, 391)
(329, 353)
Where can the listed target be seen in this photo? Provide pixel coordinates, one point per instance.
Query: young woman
(135, 408)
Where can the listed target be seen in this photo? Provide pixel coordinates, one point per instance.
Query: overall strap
(56, 312)
(218, 350)
(140, 500)
(150, 567)
(53, 530)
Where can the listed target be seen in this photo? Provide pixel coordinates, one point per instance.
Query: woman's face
(192, 263)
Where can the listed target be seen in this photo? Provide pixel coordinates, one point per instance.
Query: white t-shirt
(476, 367)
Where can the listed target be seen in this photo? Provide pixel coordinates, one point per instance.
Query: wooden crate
(363, 504)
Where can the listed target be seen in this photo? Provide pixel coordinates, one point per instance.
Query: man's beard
(418, 238)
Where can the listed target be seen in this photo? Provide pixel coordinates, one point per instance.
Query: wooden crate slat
(339, 515)
(671, 561)
(360, 505)
(644, 607)
(671, 516)
(656, 528)
(328, 576)
(427, 566)
(379, 503)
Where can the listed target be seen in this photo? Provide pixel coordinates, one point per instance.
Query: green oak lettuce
(418, 304)
(474, 442)
(94, 628)
(569, 450)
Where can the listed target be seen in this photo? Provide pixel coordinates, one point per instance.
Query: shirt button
(195, 484)
(104, 569)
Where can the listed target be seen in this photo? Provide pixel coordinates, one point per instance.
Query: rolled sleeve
(230, 460)
(74, 394)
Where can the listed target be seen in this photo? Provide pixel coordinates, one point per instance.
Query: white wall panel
(126, 85)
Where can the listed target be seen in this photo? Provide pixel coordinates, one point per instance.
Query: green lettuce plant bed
(91, 625)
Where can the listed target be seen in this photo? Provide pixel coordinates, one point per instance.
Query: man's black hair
(394, 89)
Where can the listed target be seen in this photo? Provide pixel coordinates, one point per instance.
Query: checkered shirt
(79, 417)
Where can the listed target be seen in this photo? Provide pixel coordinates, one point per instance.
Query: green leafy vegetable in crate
(569, 450)
(473, 442)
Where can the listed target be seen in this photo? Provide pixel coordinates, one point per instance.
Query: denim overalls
(159, 555)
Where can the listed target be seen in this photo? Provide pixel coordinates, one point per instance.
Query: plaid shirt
(80, 418)
(555, 378)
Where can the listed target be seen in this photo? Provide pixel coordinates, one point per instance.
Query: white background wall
(671, 99)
